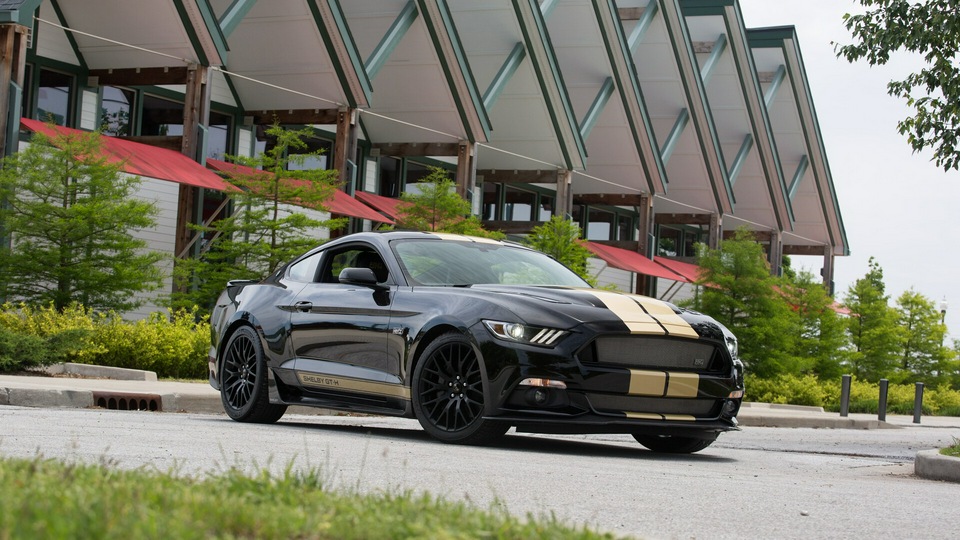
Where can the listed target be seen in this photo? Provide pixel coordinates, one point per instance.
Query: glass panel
(546, 208)
(161, 117)
(668, 242)
(519, 205)
(389, 177)
(53, 97)
(115, 119)
(625, 228)
(218, 135)
(313, 162)
(415, 173)
(491, 201)
(601, 225)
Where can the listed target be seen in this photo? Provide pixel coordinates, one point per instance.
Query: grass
(952, 450)
(50, 499)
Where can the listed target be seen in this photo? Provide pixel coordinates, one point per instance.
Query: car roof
(383, 238)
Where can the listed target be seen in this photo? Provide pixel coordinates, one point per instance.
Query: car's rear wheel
(448, 393)
(243, 380)
(671, 444)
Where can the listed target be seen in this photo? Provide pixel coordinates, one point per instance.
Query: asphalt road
(758, 483)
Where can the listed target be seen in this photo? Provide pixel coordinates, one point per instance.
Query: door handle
(303, 307)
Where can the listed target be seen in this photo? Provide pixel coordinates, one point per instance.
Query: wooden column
(466, 170)
(564, 193)
(196, 111)
(13, 56)
(345, 147)
(716, 231)
(827, 271)
(776, 252)
(645, 246)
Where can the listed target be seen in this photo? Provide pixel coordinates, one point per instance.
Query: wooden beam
(465, 168)
(803, 250)
(417, 149)
(293, 116)
(13, 54)
(682, 219)
(511, 176)
(512, 227)
(345, 146)
(612, 199)
(140, 76)
(759, 236)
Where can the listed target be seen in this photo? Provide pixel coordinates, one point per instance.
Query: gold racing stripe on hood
(683, 385)
(647, 383)
(643, 415)
(660, 311)
(632, 315)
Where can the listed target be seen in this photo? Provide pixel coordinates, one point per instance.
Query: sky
(897, 206)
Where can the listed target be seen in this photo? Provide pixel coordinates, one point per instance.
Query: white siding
(161, 237)
(608, 276)
(220, 90)
(245, 143)
(54, 44)
(89, 110)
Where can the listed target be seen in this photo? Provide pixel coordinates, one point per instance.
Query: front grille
(700, 408)
(645, 352)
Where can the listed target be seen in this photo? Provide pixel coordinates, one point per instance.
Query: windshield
(461, 263)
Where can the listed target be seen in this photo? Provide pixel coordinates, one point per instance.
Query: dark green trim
(596, 108)
(644, 136)
(394, 35)
(23, 15)
(462, 65)
(73, 42)
(233, 16)
(213, 27)
(705, 7)
(674, 136)
(191, 33)
(556, 78)
(504, 74)
(356, 63)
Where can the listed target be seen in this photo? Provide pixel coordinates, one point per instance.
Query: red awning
(144, 160)
(690, 272)
(385, 205)
(632, 261)
(341, 203)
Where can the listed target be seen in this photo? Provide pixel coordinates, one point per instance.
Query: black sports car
(471, 336)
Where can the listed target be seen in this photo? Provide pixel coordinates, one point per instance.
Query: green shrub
(172, 344)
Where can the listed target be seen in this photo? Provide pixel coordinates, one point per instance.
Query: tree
(739, 291)
(820, 343)
(930, 28)
(266, 228)
(923, 356)
(70, 213)
(560, 238)
(872, 326)
(437, 207)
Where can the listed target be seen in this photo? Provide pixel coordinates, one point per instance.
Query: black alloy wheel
(243, 380)
(448, 393)
(671, 444)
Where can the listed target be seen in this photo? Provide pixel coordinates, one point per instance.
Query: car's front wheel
(243, 380)
(448, 393)
(670, 444)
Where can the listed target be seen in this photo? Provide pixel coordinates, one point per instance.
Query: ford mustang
(471, 337)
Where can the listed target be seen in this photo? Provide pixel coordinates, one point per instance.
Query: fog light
(730, 408)
(540, 396)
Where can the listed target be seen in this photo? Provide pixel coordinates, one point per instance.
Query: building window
(545, 208)
(518, 205)
(491, 202)
(389, 177)
(315, 161)
(625, 227)
(115, 111)
(54, 96)
(218, 135)
(601, 225)
(161, 117)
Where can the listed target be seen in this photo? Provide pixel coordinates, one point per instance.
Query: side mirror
(358, 276)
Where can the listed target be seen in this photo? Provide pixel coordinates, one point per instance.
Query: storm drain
(120, 401)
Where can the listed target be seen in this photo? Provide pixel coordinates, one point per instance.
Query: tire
(243, 380)
(449, 395)
(672, 444)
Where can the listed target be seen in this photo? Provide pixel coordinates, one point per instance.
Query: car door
(339, 331)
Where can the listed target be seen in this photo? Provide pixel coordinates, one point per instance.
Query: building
(655, 124)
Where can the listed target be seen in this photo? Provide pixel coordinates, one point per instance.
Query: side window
(305, 270)
(353, 257)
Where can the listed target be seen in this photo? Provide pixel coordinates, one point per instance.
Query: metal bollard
(882, 412)
(918, 403)
(845, 395)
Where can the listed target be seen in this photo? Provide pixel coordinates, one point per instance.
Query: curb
(933, 465)
(101, 372)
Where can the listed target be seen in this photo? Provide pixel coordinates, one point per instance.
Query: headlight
(520, 333)
(733, 347)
